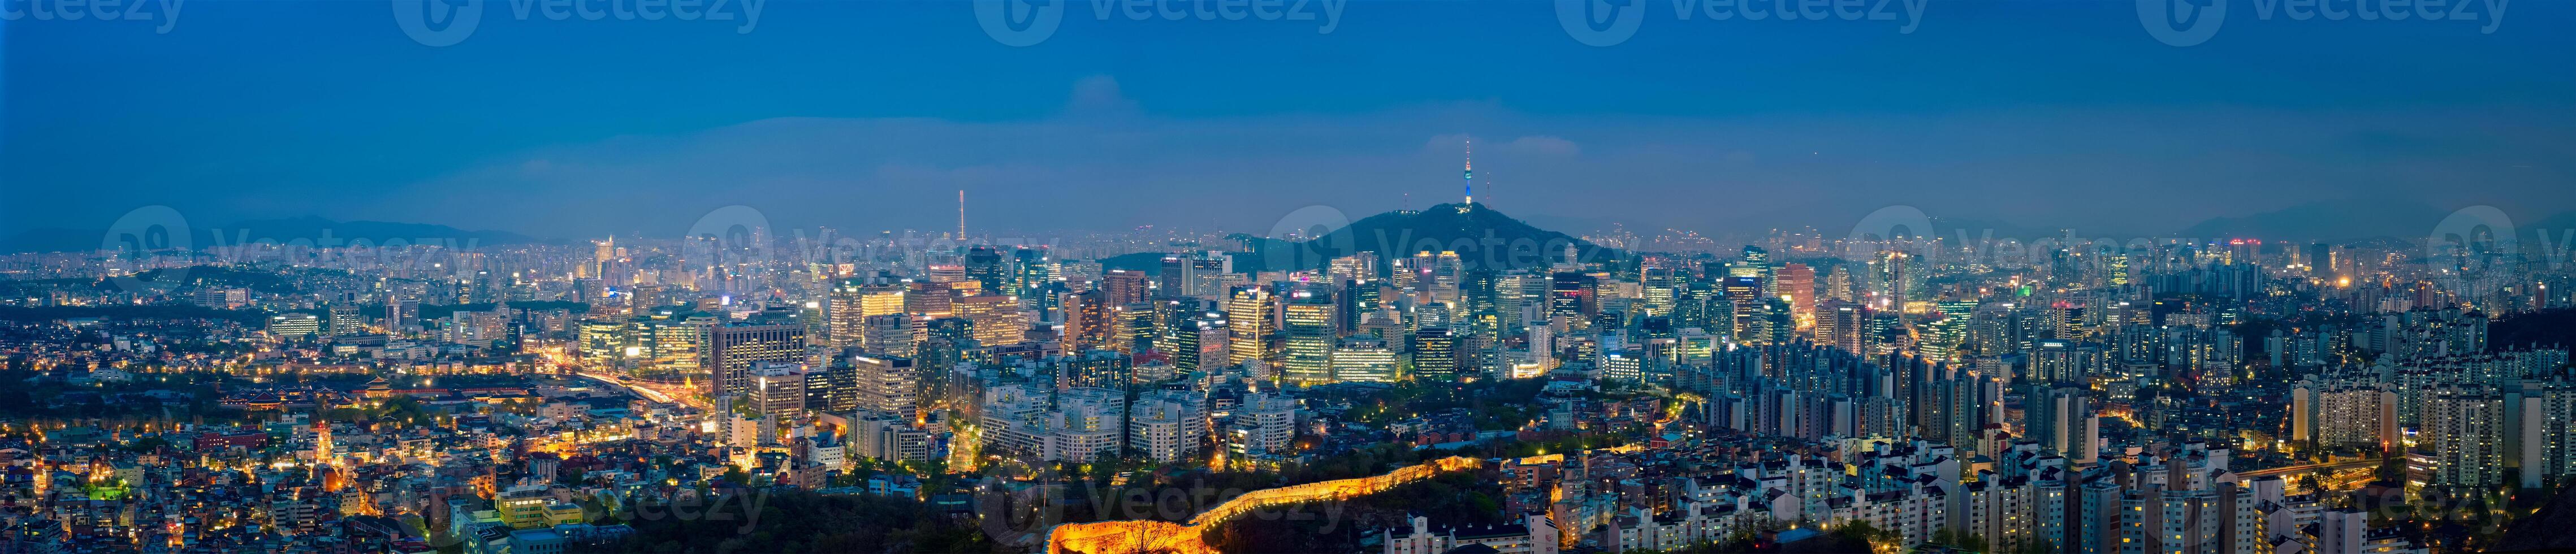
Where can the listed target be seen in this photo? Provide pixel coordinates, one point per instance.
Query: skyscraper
(732, 350)
(1087, 321)
(776, 389)
(985, 265)
(1123, 286)
(1435, 354)
(2462, 436)
(1570, 296)
(887, 385)
(1251, 317)
(1797, 283)
(1363, 358)
(850, 301)
(1308, 322)
(1842, 324)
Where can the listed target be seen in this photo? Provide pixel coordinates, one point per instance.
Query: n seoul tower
(1470, 176)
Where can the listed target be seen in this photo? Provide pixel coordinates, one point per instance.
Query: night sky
(870, 115)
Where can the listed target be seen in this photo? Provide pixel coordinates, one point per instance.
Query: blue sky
(871, 114)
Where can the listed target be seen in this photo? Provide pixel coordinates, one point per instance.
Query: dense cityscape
(1287, 276)
(1503, 388)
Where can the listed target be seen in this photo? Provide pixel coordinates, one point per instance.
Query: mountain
(1482, 237)
(2544, 530)
(280, 230)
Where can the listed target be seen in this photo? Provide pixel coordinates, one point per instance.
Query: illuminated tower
(1470, 176)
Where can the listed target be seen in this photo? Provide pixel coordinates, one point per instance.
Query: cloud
(1099, 94)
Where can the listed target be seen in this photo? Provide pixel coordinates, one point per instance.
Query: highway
(646, 390)
(2290, 470)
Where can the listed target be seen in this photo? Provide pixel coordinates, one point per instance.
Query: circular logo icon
(2182, 22)
(437, 23)
(2474, 251)
(1019, 514)
(1307, 238)
(1598, 22)
(1019, 22)
(135, 240)
(1902, 229)
(730, 242)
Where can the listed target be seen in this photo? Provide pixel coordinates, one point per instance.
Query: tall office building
(1744, 292)
(346, 321)
(777, 389)
(1251, 317)
(1363, 358)
(1086, 319)
(672, 344)
(1570, 296)
(2064, 421)
(1124, 286)
(887, 385)
(732, 350)
(1757, 264)
(1843, 324)
(1435, 355)
(891, 334)
(985, 266)
(934, 299)
(1035, 270)
(1361, 266)
(997, 318)
(1308, 322)
(1194, 274)
(400, 313)
(851, 301)
(1797, 283)
(1658, 289)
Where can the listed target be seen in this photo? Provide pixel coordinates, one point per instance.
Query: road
(2290, 470)
(650, 391)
